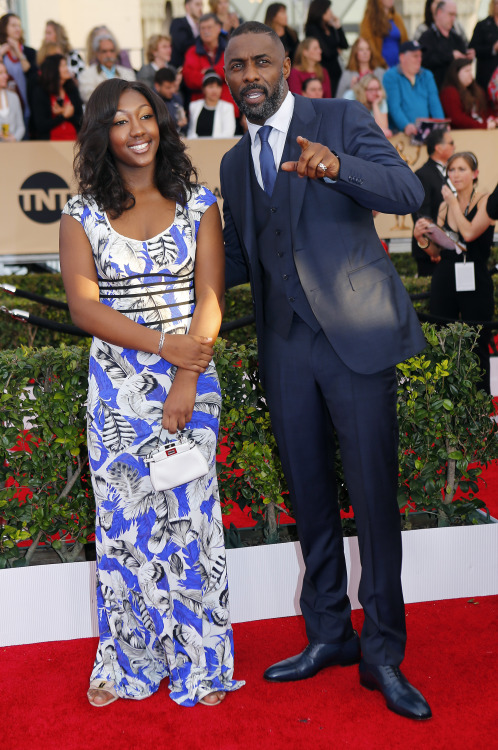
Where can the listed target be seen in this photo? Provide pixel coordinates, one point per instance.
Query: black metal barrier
(229, 325)
(48, 301)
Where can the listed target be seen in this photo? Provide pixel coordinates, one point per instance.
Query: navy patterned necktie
(266, 160)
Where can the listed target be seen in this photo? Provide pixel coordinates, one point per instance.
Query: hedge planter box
(57, 602)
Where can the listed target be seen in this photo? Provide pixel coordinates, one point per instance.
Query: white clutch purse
(176, 462)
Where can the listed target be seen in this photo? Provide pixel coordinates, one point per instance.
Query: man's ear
(287, 67)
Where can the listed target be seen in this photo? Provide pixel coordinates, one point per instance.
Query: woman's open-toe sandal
(220, 697)
(101, 689)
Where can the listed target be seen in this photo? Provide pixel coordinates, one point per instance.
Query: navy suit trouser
(308, 387)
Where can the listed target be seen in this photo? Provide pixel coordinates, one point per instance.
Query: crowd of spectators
(436, 74)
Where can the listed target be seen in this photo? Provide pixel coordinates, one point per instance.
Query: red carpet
(451, 657)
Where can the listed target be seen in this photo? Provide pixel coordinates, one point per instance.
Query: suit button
(277, 232)
(292, 299)
(285, 276)
(280, 255)
(273, 209)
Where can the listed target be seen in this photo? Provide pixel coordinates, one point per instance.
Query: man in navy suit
(333, 319)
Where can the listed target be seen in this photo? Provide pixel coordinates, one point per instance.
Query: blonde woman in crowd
(56, 41)
(370, 92)
(361, 61)
(158, 55)
(307, 65)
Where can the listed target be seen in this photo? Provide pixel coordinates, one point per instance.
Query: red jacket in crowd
(197, 61)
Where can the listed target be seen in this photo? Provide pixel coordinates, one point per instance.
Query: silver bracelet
(161, 343)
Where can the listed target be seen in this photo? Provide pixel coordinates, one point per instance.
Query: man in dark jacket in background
(184, 31)
(432, 175)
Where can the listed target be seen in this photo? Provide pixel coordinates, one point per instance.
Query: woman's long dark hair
(471, 97)
(315, 12)
(4, 21)
(50, 77)
(428, 17)
(94, 166)
(272, 10)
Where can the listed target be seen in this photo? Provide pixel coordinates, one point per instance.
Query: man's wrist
(333, 169)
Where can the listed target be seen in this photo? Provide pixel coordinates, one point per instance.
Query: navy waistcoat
(283, 293)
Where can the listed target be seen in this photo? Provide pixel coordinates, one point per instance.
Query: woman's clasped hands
(188, 352)
(192, 355)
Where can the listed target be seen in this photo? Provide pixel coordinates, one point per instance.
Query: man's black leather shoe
(316, 656)
(401, 697)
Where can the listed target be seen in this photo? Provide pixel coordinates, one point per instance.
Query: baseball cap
(409, 47)
(211, 76)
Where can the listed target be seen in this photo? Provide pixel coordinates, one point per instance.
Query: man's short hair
(208, 17)
(439, 6)
(254, 27)
(165, 74)
(434, 138)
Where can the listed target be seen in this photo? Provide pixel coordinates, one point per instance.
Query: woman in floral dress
(154, 308)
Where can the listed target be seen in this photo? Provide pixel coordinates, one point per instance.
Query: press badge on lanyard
(465, 279)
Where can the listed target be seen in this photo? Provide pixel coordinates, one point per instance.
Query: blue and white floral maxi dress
(162, 590)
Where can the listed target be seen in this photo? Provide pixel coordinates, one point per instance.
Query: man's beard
(268, 106)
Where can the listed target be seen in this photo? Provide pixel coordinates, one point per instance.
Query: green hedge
(444, 425)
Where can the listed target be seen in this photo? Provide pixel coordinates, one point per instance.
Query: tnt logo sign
(43, 196)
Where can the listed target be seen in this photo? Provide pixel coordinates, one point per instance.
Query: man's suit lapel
(305, 122)
(241, 186)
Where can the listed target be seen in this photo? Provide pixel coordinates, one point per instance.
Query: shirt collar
(439, 165)
(280, 120)
(193, 25)
(108, 72)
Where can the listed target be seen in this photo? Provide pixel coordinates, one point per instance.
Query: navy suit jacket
(353, 289)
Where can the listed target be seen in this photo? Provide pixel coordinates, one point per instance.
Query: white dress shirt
(279, 122)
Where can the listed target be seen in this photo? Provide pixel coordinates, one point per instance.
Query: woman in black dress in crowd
(323, 25)
(485, 42)
(463, 216)
(57, 107)
(276, 19)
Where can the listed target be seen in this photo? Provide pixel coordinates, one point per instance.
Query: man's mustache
(252, 87)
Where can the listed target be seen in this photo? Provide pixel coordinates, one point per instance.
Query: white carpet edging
(58, 602)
